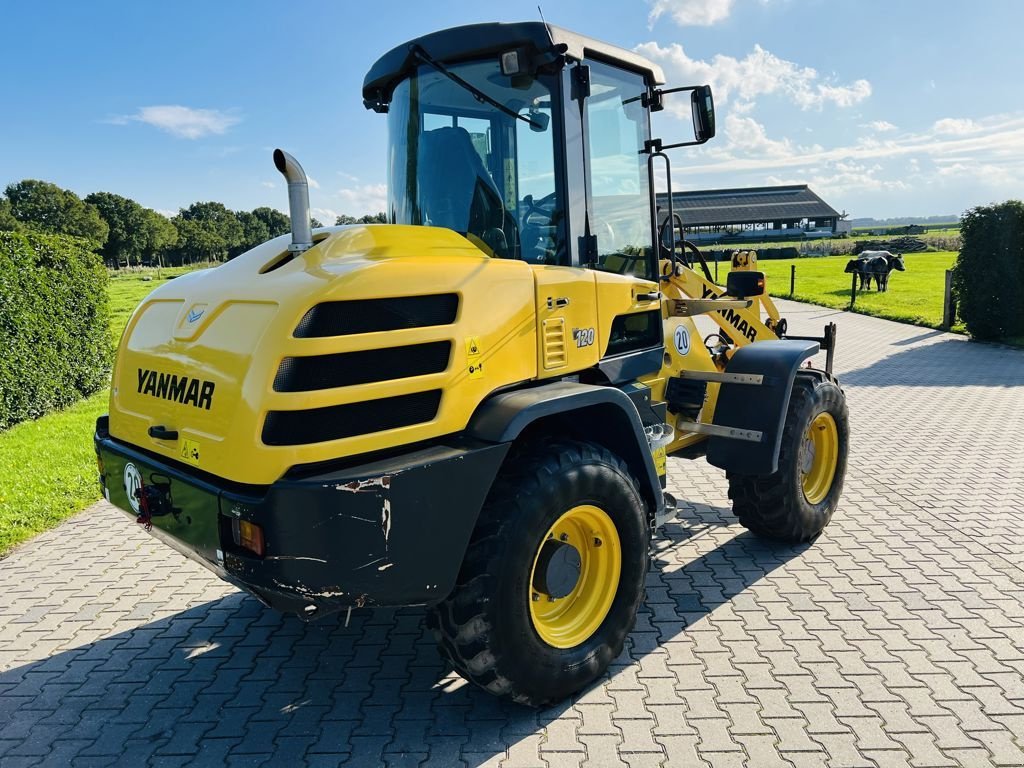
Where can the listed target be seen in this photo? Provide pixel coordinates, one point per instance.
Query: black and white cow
(877, 265)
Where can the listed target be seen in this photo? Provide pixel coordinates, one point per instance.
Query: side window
(620, 217)
(530, 188)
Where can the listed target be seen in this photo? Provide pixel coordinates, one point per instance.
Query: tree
(124, 218)
(277, 223)
(315, 223)
(369, 218)
(197, 241)
(254, 231)
(212, 231)
(159, 234)
(46, 207)
(7, 221)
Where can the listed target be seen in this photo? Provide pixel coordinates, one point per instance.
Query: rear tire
(490, 628)
(796, 502)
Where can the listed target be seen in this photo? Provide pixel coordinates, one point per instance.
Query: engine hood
(274, 360)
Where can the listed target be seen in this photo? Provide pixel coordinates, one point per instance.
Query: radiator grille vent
(344, 369)
(343, 318)
(555, 351)
(335, 422)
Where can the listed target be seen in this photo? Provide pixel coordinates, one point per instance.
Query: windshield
(460, 162)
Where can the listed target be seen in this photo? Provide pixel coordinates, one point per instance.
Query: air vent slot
(335, 422)
(555, 351)
(286, 257)
(345, 369)
(344, 318)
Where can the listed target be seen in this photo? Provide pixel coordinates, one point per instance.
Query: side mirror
(744, 285)
(703, 105)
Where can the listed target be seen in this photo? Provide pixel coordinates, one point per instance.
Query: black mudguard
(603, 414)
(762, 408)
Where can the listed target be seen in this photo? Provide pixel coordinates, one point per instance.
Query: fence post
(792, 280)
(716, 267)
(853, 290)
(948, 303)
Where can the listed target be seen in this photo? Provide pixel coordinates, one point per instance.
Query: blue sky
(903, 107)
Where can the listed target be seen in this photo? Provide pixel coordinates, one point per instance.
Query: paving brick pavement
(895, 639)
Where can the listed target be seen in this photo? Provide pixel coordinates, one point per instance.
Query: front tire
(519, 623)
(796, 502)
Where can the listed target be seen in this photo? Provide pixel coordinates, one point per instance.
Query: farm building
(760, 213)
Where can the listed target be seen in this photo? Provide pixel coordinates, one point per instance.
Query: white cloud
(759, 73)
(327, 216)
(183, 122)
(348, 176)
(699, 13)
(268, 184)
(879, 126)
(956, 126)
(749, 135)
(367, 198)
(841, 177)
(996, 138)
(313, 183)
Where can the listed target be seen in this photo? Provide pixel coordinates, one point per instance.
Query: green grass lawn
(48, 466)
(914, 296)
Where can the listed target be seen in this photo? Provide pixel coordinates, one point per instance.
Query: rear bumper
(390, 532)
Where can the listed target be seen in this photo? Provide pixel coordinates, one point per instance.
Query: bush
(54, 324)
(988, 277)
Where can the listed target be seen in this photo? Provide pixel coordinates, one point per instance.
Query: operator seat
(457, 192)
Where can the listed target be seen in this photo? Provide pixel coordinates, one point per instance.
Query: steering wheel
(538, 217)
(545, 207)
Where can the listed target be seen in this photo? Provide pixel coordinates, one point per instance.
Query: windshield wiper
(479, 95)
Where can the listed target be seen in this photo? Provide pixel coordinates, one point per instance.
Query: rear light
(248, 536)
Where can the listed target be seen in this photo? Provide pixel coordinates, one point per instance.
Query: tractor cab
(532, 141)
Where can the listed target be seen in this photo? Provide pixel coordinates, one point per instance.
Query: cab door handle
(561, 301)
(652, 296)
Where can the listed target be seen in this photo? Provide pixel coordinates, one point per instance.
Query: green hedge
(988, 277)
(54, 324)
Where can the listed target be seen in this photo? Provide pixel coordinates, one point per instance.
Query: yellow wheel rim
(584, 533)
(819, 457)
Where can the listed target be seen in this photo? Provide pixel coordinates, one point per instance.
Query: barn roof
(750, 205)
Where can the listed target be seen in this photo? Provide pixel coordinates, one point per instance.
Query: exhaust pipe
(298, 201)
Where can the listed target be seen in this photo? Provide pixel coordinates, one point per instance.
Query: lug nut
(536, 597)
(597, 542)
(564, 537)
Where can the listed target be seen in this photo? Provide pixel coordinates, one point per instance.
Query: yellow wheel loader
(470, 408)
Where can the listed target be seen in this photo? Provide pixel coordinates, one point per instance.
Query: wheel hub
(819, 457)
(575, 576)
(557, 570)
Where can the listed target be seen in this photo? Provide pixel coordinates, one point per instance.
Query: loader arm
(742, 324)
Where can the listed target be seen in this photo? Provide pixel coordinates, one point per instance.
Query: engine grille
(344, 369)
(335, 422)
(343, 318)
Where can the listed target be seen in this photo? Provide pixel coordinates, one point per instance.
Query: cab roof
(478, 41)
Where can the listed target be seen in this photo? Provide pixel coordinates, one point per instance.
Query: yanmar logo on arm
(182, 389)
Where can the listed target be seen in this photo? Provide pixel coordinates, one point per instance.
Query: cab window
(616, 128)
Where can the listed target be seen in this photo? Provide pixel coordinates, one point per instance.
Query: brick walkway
(896, 639)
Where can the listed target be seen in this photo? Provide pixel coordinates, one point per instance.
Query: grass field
(47, 466)
(914, 296)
